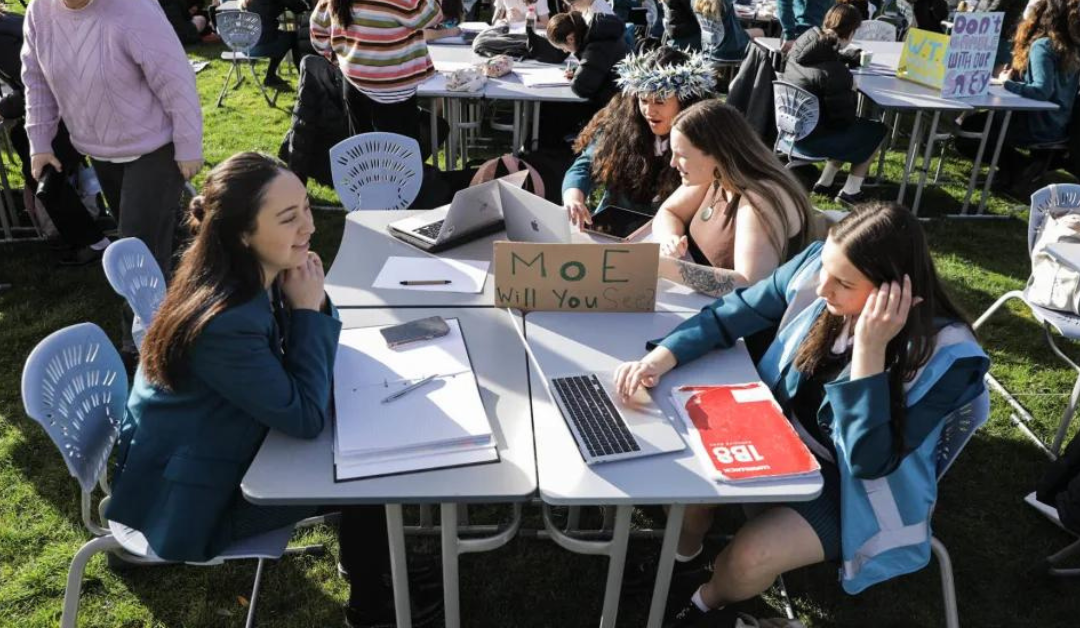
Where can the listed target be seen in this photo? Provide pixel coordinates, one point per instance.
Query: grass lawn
(995, 541)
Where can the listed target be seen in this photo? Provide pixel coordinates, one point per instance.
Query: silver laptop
(473, 213)
(606, 428)
(532, 218)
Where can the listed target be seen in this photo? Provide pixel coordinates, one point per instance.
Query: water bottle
(530, 17)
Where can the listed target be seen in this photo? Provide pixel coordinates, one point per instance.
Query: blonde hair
(712, 9)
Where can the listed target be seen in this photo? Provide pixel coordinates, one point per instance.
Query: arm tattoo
(711, 281)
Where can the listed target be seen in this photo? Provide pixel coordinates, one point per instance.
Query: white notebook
(446, 415)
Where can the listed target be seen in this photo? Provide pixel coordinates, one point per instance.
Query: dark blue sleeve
(236, 361)
(861, 411)
(785, 14)
(1042, 65)
(737, 315)
(579, 175)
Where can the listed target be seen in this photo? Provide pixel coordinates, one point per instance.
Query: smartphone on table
(414, 331)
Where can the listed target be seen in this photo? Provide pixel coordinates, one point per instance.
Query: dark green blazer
(182, 454)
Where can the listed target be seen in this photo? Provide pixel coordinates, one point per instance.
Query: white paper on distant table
(465, 275)
(543, 77)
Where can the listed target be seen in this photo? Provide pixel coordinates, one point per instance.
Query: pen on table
(424, 282)
(409, 388)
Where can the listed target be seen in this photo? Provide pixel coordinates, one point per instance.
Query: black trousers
(368, 115)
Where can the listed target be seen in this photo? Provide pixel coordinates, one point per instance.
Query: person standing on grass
(116, 73)
(275, 43)
(798, 16)
(380, 49)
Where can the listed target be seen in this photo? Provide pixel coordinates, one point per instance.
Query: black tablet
(618, 223)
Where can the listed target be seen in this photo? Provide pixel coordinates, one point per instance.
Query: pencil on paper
(424, 282)
(409, 388)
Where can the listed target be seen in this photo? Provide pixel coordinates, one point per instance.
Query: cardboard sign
(922, 59)
(576, 277)
(970, 58)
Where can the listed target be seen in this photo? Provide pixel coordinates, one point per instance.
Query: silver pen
(409, 388)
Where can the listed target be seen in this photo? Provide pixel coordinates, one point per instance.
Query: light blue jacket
(885, 506)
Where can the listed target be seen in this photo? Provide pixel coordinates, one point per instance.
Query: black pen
(425, 282)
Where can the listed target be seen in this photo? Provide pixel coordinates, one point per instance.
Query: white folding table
(561, 342)
(289, 471)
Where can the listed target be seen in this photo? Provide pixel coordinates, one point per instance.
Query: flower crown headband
(640, 75)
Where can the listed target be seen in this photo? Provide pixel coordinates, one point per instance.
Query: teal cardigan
(1043, 80)
(182, 454)
(579, 176)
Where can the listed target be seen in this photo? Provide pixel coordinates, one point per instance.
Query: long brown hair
(1060, 21)
(841, 21)
(216, 271)
(562, 25)
(745, 165)
(884, 241)
(342, 12)
(624, 158)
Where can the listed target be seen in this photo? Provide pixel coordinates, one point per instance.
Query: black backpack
(1060, 486)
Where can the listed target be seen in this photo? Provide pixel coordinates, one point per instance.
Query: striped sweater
(382, 53)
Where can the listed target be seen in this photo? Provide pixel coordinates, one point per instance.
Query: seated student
(449, 26)
(868, 370)
(598, 45)
(589, 8)
(514, 11)
(816, 64)
(190, 28)
(681, 28)
(722, 36)
(275, 43)
(625, 147)
(243, 343)
(1045, 66)
(738, 214)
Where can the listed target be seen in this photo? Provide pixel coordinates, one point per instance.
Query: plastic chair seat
(785, 146)
(1068, 325)
(229, 55)
(270, 545)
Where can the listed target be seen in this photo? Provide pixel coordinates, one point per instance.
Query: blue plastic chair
(240, 31)
(797, 113)
(135, 275)
(377, 171)
(74, 385)
(1053, 199)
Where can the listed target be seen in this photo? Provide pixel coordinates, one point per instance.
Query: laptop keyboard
(430, 231)
(602, 430)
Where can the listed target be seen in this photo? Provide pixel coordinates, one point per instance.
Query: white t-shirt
(598, 7)
(521, 6)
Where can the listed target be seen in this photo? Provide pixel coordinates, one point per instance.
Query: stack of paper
(440, 424)
(543, 77)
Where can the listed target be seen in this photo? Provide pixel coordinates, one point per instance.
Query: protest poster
(922, 59)
(969, 61)
(576, 277)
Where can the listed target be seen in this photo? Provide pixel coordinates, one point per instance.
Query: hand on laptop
(631, 376)
(574, 202)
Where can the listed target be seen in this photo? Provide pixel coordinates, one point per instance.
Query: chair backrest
(876, 30)
(75, 386)
(240, 30)
(135, 275)
(1059, 198)
(797, 113)
(960, 426)
(376, 171)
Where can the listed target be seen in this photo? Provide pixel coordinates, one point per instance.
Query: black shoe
(690, 616)
(81, 257)
(824, 190)
(844, 198)
(276, 82)
(640, 576)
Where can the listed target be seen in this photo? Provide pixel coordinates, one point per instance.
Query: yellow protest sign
(576, 277)
(922, 59)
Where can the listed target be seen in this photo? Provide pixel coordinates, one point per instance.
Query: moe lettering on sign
(576, 277)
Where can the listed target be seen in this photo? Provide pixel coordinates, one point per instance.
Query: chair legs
(254, 594)
(234, 67)
(75, 575)
(258, 83)
(225, 87)
(1054, 560)
(948, 588)
(1021, 417)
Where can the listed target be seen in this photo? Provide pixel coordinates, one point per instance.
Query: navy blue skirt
(853, 144)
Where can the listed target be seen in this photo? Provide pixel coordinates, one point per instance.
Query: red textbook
(742, 432)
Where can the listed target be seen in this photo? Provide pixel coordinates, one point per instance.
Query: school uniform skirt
(853, 144)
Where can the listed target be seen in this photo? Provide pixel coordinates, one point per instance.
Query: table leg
(448, 514)
(516, 146)
(928, 155)
(619, 541)
(451, 142)
(994, 161)
(399, 569)
(536, 125)
(434, 121)
(886, 144)
(978, 162)
(666, 564)
(913, 148)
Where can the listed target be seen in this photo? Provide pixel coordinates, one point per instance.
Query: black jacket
(318, 120)
(176, 11)
(269, 11)
(604, 46)
(751, 91)
(1060, 486)
(681, 21)
(815, 65)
